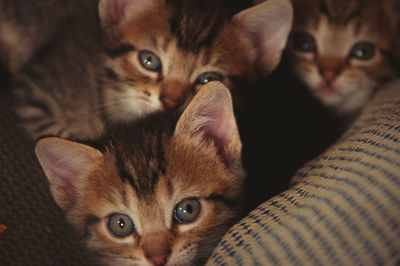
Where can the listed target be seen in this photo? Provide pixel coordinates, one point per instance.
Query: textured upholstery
(343, 207)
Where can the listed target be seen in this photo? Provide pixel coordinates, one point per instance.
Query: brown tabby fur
(143, 170)
(343, 83)
(85, 73)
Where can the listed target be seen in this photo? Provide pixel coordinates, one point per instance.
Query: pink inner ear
(220, 126)
(117, 10)
(210, 116)
(64, 163)
(220, 129)
(64, 182)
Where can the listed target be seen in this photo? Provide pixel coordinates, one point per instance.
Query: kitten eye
(150, 61)
(120, 225)
(304, 42)
(209, 76)
(187, 210)
(363, 51)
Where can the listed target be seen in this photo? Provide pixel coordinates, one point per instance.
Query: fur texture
(134, 57)
(344, 50)
(142, 173)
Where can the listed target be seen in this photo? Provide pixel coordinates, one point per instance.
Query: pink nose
(169, 103)
(157, 247)
(329, 75)
(159, 260)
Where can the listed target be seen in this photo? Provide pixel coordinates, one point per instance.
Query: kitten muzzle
(157, 247)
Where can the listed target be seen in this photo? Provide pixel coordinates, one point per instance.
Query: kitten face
(159, 75)
(153, 193)
(341, 62)
(163, 64)
(174, 224)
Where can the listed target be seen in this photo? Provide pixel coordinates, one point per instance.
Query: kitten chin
(160, 191)
(347, 95)
(343, 51)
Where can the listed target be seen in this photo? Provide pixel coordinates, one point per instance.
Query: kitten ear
(210, 117)
(267, 25)
(114, 12)
(65, 163)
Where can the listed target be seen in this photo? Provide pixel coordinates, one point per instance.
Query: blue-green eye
(187, 210)
(209, 76)
(121, 225)
(363, 51)
(304, 42)
(150, 61)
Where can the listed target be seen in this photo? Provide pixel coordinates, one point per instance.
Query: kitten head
(342, 49)
(156, 192)
(161, 51)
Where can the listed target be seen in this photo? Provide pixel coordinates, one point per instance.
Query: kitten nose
(329, 68)
(329, 75)
(159, 260)
(173, 93)
(156, 247)
(169, 103)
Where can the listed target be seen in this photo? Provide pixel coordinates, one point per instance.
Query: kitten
(343, 51)
(155, 192)
(135, 57)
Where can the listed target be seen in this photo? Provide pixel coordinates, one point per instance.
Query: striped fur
(340, 81)
(88, 74)
(144, 170)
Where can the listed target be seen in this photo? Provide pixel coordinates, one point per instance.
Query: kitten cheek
(184, 253)
(309, 77)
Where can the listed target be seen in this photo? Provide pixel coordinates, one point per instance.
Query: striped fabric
(343, 207)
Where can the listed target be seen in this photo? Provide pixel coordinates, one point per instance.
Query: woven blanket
(343, 207)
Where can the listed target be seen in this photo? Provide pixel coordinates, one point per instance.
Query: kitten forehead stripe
(120, 50)
(124, 198)
(340, 12)
(196, 26)
(124, 174)
(170, 188)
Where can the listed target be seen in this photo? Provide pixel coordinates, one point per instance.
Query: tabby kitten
(155, 192)
(135, 57)
(343, 51)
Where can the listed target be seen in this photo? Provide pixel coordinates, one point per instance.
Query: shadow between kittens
(282, 127)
